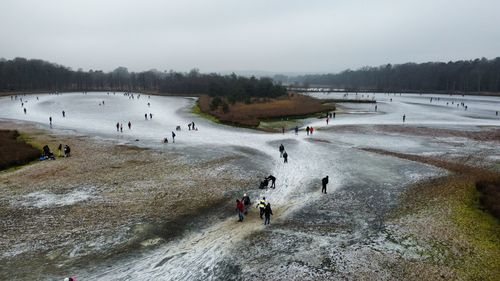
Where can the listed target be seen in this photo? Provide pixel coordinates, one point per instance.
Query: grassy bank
(15, 150)
(446, 217)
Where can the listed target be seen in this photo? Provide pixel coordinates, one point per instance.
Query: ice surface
(354, 174)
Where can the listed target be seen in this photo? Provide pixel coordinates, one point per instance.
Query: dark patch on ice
(163, 261)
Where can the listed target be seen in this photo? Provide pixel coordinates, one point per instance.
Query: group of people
(265, 211)
(62, 152)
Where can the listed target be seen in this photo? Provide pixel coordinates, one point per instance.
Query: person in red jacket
(240, 208)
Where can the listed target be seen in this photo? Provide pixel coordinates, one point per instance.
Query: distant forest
(21, 74)
(480, 75)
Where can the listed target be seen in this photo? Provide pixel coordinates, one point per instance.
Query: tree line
(20, 74)
(479, 75)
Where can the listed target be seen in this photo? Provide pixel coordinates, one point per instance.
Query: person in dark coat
(273, 181)
(282, 148)
(267, 214)
(173, 137)
(285, 156)
(324, 182)
(246, 202)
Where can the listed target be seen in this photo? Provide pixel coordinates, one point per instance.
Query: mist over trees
(479, 75)
(21, 74)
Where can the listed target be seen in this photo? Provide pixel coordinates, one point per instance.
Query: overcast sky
(232, 35)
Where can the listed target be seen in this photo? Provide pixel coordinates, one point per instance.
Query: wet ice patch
(44, 199)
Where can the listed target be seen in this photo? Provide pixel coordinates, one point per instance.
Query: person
(67, 151)
(311, 130)
(59, 150)
(25, 110)
(150, 115)
(64, 113)
(129, 125)
(146, 116)
(246, 202)
(264, 183)
(192, 125)
(324, 182)
(121, 128)
(149, 105)
(173, 137)
(189, 126)
(307, 130)
(267, 213)
(296, 130)
(282, 148)
(273, 181)
(497, 113)
(261, 205)
(285, 156)
(117, 127)
(375, 107)
(50, 121)
(69, 279)
(404, 118)
(327, 120)
(240, 208)
(47, 154)
(334, 115)
(283, 129)
(165, 140)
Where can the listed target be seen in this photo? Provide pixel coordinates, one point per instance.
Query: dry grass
(250, 114)
(15, 152)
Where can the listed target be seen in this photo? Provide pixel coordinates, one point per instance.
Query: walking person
(129, 125)
(267, 214)
(285, 156)
(311, 130)
(25, 110)
(307, 130)
(173, 137)
(240, 208)
(296, 130)
(282, 149)
(189, 126)
(146, 116)
(404, 118)
(50, 121)
(192, 126)
(117, 127)
(150, 115)
(246, 202)
(327, 120)
(324, 182)
(262, 205)
(121, 128)
(64, 114)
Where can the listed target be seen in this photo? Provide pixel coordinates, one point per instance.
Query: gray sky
(227, 35)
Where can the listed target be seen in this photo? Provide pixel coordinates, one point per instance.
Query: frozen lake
(362, 184)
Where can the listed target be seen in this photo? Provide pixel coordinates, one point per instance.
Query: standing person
(150, 115)
(307, 130)
(192, 125)
(267, 214)
(149, 105)
(25, 110)
(273, 181)
(50, 121)
(146, 116)
(129, 125)
(497, 113)
(262, 205)
(189, 126)
(334, 115)
(296, 130)
(285, 156)
(240, 208)
(67, 151)
(59, 150)
(404, 118)
(246, 202)
(324, 182)
(327, 120)
(64, 114)
(375, 107)
(282, 149)
(121, 128)
(173, 137)
(117, 127)
(311, 130)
